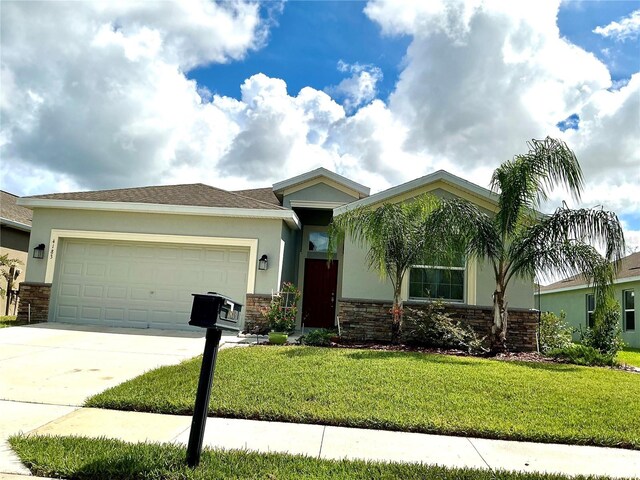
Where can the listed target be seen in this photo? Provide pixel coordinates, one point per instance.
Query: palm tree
(397, 238)
(520, 242)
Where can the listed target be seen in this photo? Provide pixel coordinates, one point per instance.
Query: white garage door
(143, 285)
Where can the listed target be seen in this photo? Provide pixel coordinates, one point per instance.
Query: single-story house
(15, 228)
(575, 297)
(133, 256)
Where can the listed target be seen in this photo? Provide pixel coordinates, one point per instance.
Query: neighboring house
(15, 228)
(132, 257)
(575, 297)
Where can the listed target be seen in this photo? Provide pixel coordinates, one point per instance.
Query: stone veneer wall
(36, 295)
(253, 307)
(370, 321)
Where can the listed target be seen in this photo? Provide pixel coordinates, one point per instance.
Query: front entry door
(319, 299)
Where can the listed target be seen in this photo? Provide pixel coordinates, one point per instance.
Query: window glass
(591, 306)
(437, 282)
(628, 309)
(319, 242)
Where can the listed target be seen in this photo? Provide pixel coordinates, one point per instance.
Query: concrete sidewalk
(338, 442)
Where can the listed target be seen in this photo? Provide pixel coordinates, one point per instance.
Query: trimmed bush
(555, 333)
(583, 355)
(320, 337)
(434, 327)
(605, 334)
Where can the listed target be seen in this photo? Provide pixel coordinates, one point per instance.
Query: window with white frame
(441, 282)
(628, 309)
(591, 306)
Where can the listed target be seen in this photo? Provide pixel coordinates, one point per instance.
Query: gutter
(289, 216)
(13, 224)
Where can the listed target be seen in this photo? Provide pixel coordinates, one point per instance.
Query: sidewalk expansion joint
(324, 429)
(480, 455)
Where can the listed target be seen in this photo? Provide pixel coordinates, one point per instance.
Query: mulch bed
(535, 357)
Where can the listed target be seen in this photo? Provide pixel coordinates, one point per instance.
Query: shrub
(605, 334)
(283, 309)
(433, 327)
(317, 338)
(554, 332)
(582, 355)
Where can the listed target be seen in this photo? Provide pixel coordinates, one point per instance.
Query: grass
(82, 458)
(630, 356)
(10, 321)
(401, 391)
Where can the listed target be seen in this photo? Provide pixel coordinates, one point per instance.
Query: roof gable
(319, 175)
(438, 180)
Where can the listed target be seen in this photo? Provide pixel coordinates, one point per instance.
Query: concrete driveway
(48, 370)
(64, 364)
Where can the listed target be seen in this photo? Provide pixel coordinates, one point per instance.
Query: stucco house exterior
(132, 257)
(15, 228)
(576, 298)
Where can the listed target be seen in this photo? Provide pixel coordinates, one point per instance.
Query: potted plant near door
(282, 312)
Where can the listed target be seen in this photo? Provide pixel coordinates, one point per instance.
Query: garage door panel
(75, 249)
(96, 250)
(118, 283)
(114, 314)
(191, 254)
(67, 312)
(238, 257)
(90, 313)
(72, 268)
(70, 289)
(118, 272)
(214, 277)
(96, 270)
(140, 294)
(116, 293)
(164, 295)
(93, 291)
(142, 273)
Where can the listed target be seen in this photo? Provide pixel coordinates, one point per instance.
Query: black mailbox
(212, 310)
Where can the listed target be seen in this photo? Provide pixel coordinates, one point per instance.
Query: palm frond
(541, 246)
(525, 181)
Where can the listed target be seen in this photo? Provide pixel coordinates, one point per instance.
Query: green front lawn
(401, 391)
(102, 459)
(630, 356)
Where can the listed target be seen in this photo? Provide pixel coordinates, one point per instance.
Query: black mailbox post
(213, 312)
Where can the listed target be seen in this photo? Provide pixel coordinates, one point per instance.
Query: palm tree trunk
(499, 327)
(396, 325)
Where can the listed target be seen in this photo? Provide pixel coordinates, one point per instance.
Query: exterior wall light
(263, 263)
(38, 252)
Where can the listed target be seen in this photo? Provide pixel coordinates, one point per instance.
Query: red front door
(319, 299)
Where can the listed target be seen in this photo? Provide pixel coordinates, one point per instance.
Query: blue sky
(305, 46)
(311, 37)
(381, 92)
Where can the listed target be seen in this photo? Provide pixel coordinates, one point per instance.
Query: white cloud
(105, 103)
(104, 100)
(358, 89)
(628, 28)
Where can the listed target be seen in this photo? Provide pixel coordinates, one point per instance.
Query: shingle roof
(196, 194)
(263, 194)
(629, 267)
(10, 211)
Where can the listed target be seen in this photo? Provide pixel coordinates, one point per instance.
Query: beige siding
(267, 232)
(360, 282)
